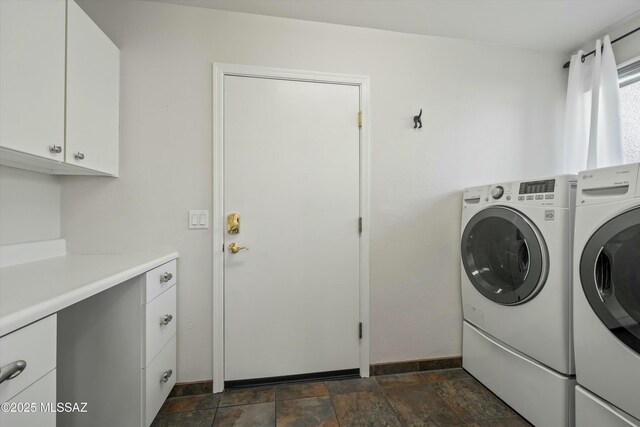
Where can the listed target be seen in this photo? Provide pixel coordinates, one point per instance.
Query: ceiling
(547, 25)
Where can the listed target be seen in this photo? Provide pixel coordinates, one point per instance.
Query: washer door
(504, 255)
(610, 276)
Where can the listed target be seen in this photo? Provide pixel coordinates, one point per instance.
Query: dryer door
(504, 255)
(610, 276)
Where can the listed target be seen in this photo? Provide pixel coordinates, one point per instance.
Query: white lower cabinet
(160, 279)
(159, 370)
(160, 377)
(35, 406)
(117, 351)
(160, 323)
(34, 346)
(28, 375)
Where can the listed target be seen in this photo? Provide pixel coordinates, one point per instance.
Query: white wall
(29, 206)
(490, 113)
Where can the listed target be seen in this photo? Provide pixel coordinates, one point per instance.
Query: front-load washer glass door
(504, 255)
(610, 276)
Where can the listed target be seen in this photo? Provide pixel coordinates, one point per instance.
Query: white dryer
(607, 288)
(516, 294)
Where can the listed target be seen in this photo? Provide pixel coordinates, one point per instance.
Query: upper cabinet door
(93, 81)
(32, 80)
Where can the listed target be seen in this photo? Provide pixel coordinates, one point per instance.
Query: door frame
(221, 70)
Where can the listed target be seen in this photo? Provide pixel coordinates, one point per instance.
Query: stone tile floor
(448, 397)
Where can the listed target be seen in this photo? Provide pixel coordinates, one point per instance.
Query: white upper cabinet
(59, 90)
(93, 82)
(32, 44)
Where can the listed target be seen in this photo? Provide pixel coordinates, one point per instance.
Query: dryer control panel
(551, 191)
(608, 184)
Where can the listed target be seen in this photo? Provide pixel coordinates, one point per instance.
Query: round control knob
(497, 192)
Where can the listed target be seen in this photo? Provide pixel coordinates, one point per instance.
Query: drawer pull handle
(165, 277)
(55, 149)
(166, 375)
(79, 156)
(166, 319)
(12, 370)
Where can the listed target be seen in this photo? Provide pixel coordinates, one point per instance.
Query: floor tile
(191, 403)
(445, 374)
(502, 422)
(185, 419)
(299, 390)
(400, 379)
(308, 412)
(349, 386)
(364, 408)
(256, 415)
(471, 400)
(420, 405)
(248, 396)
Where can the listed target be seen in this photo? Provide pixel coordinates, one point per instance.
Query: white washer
(516, 294)
(607, 286)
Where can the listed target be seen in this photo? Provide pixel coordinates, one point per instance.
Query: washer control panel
(497, 192)
(541, 192)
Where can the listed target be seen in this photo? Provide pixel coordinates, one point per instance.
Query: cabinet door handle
(166, 375)
(12, 370)
(79, 156)
(166, 319)
(165, 277)
(55, 149)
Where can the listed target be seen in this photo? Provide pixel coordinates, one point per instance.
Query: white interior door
(291, 171)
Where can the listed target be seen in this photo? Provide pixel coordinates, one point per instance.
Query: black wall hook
(417, 120)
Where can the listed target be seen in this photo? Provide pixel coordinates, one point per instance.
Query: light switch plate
(198, 219)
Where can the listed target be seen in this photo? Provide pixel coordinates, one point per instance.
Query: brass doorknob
(234, 248)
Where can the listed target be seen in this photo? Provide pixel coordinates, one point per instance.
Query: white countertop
(34, 290)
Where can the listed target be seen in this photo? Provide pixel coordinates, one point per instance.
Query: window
(629, 77)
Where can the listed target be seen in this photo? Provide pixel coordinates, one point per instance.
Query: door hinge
(359, 119)
(360, 330)
(360, 225)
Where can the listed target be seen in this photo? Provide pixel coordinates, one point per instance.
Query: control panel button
(508, 197)
(497, 192)
(548, 196)
(539, 197)
(520, 198)
(529, 197)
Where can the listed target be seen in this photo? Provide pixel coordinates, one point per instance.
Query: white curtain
(592, 130)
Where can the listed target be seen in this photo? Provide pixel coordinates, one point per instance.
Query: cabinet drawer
(42, 393)
(156, 390)
(157, 314)
(36, 345)
(160, 279)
